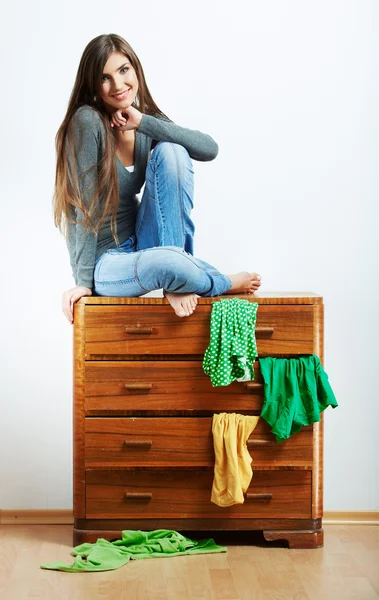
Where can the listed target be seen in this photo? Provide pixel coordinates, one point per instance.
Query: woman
(113, 140)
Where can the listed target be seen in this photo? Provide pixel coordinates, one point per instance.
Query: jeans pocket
(116, 266)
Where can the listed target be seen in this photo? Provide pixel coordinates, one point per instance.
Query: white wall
(289, 90)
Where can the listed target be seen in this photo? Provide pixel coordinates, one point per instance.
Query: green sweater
(134, 544)
(84, 246)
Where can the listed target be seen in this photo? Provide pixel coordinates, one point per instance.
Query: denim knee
(166, 267)
(171, 153)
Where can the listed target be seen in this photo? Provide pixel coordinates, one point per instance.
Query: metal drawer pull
(253, 385)
(264, 330)
(250, 496)
(259, 442)
(138, 443)
(138, 496)
(138, 329)
(142, 387)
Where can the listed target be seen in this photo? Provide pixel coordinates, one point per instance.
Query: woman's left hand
(70, 297)
(126, 119)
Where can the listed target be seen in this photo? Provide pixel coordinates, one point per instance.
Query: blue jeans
(160, 253)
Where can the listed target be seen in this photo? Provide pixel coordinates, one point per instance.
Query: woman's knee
(165, 267)
(171, 154)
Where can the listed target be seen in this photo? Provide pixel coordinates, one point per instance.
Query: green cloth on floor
(232, 347)
(105, 556)
(296, 391)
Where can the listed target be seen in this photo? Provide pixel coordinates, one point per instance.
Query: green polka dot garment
(232, 347)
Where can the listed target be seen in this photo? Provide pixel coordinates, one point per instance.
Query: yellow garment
(232, 470)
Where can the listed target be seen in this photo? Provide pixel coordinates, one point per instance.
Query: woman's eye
(122, 70)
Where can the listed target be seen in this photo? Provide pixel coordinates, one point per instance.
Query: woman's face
(119, 83)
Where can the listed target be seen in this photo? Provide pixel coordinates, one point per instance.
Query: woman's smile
(122, 95)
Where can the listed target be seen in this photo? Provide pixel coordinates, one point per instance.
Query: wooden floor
(347, 567)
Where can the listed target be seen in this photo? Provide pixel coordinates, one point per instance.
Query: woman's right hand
(126, 119)
(70, 297)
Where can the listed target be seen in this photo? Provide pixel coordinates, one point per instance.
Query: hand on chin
(122, 128)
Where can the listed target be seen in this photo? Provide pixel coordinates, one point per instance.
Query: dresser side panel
(78, 412)
(318, 428)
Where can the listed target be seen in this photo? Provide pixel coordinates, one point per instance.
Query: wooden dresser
(143, 407)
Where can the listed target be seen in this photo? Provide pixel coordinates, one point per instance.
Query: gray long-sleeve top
(84, 246)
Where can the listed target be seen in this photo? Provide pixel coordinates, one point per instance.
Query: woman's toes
(182, 310)
(191, 303)
(183, 304)
(256, 280)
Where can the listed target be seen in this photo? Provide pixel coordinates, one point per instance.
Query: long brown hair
(86, 89)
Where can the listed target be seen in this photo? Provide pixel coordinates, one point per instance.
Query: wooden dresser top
(260, 298)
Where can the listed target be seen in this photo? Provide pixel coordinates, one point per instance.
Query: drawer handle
(142, 387)
(253, 385)
(259, 442)
(139, 330)
(250, 496)
(264, 330)
(138, 443)
(147, 496)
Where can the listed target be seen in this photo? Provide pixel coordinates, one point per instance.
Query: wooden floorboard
(347, 567)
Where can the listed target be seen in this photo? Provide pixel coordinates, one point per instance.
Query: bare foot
(244, 283)
(183, 304)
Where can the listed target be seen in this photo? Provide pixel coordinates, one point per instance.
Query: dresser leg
(78, 537)
(297, 539)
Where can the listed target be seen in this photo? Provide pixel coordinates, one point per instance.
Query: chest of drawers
(143, 407)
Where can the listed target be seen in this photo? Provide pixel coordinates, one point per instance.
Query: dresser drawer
(186, 494)
(182, 442)
(143, 387)
(120, 331)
